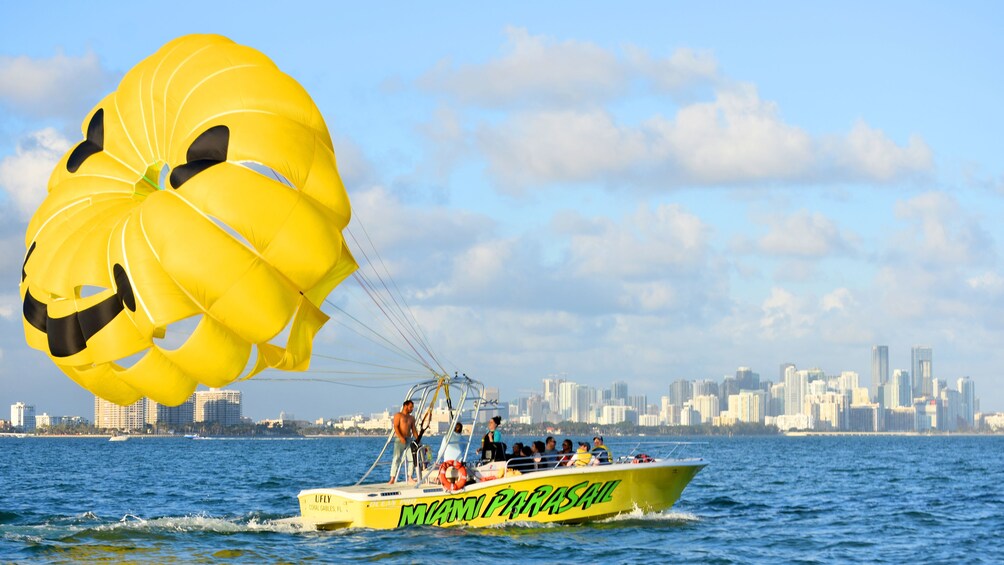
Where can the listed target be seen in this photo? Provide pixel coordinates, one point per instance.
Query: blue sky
(644, 192)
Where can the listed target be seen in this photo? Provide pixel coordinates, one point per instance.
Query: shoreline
(890, 434)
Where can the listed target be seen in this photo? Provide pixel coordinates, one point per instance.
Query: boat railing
(660, 450)
(641, 451)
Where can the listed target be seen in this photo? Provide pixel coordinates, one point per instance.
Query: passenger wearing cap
(601, 452)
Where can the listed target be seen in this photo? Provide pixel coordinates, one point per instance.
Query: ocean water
(760, 500)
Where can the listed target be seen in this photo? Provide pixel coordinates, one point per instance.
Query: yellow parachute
(173, 210)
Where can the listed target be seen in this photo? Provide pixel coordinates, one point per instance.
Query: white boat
(118, 437)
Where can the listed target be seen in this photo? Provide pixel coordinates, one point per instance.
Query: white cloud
(784, 314)
(736, 139)
(840, 300)
(990, 282)
(646, 245)
(560, 146)
(353, 166)
(10, 306)
(534, 70)
(941, 233)
(866, 153)
(540, 72)
(682, 71)
(24, 176)
(555, 129)
(61, 86)
(804, 234)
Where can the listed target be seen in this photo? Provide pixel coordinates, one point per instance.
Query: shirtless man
(404, 431)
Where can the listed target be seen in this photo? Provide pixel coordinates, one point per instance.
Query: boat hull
(565, 495)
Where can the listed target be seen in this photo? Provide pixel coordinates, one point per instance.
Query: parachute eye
(209, 149)
(123, 288)
(94, 143)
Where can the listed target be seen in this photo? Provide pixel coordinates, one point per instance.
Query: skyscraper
(921, 370)
(111, 416)
(967, 398)
(784, 371)
(747, 379)
(620, 391)
(796, 384)
(880, 368)
(901, 389)
(22, 417)
(167, 416)
(217, 405)
(680, 391)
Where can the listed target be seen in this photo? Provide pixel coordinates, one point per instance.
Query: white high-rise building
(583, 404)
(160, 415)
(566, 397)
(217, 405)
(752, 406)
(614, 414)
(796, 385)
(708, 406)
(847, 381)
(551, 392)
(776, 402)
(111, 416)
(901, 389)
(22, 417)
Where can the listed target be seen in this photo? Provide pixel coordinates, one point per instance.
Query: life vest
(602, 454)
(453, 484)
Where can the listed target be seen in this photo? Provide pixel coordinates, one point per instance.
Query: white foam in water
(639, 514)
(632, 516)
(204, 523)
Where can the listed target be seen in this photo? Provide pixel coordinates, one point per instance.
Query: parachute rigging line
(416, 327)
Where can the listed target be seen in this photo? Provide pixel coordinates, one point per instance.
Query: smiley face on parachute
(205, 192)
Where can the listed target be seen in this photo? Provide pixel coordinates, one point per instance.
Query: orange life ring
(449, 484)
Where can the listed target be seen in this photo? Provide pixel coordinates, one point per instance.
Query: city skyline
(645, 192)
(890, 394)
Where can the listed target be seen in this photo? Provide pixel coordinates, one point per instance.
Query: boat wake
(88, 526)
(203, 523)
(639, 515)
(636, 517)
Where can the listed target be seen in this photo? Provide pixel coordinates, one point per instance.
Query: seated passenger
(566, 453)
(521, 459)
(582, 456)
(550, 458)
(450, 450)
(601, 452)
(517, 450)
(537, 453)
